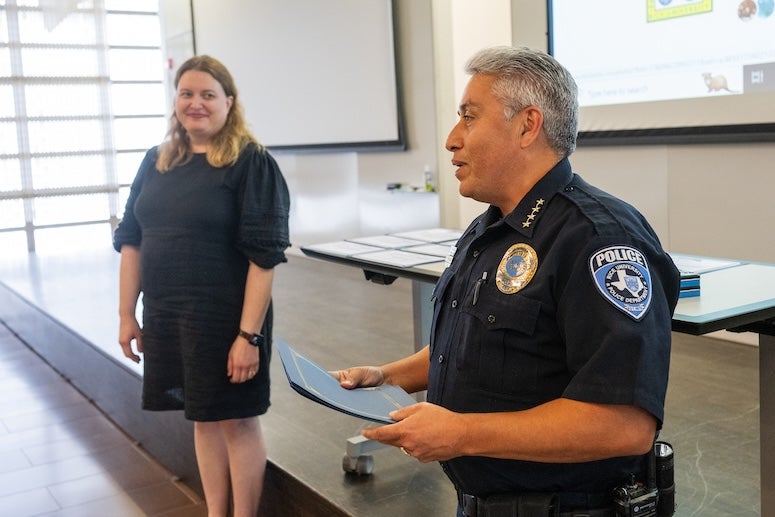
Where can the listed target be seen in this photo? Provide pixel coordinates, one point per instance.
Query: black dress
(197, 227)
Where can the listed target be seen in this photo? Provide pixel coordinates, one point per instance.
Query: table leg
(357, 458)
(767, 422)
(422, 310)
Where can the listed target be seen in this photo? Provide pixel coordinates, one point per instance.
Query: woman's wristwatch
(253, 339)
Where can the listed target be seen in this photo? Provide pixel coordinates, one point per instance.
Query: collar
(527, 213)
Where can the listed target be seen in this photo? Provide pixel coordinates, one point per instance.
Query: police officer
(550, 345)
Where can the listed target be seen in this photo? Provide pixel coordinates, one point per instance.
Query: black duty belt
(533, 505)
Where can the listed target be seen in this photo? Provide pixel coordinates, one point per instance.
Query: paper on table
(315, 383)
(385, 241)
(688, 264)
(432, 234)
(437, 250)
(342, 248)
(398, 258)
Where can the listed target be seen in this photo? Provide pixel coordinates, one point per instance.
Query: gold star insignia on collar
(533, 213)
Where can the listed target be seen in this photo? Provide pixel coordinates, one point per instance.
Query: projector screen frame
(729, 134)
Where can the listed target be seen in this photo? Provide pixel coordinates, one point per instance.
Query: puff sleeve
(263, 233)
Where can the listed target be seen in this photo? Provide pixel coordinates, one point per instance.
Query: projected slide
(658, 50)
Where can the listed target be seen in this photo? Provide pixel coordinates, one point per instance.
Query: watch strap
(253, 339)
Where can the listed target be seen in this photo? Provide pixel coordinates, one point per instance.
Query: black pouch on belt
(524, 505)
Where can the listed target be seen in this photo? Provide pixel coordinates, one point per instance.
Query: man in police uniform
(550, 345)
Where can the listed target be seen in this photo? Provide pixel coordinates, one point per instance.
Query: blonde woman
(204, 226)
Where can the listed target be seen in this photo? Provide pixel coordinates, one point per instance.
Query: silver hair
(525, 77)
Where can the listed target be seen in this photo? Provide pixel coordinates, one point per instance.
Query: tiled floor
(61, 457)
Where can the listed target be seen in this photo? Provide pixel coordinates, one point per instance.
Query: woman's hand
(243, 361)
(129, 330)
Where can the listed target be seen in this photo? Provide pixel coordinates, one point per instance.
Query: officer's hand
(425, 431)
(359, 377)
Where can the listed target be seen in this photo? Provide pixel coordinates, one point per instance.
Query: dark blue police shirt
(592, 324)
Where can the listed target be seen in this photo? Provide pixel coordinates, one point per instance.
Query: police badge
(516, 269)
(622, 275)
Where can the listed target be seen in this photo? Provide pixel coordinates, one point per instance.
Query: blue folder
(315, 383)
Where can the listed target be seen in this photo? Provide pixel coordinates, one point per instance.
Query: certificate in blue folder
(315, 383)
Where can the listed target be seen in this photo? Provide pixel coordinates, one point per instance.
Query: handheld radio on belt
(656, 498)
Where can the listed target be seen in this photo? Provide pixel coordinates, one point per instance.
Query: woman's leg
(213, 461)
(247, 463)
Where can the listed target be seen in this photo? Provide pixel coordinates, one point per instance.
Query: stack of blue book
(690, 285)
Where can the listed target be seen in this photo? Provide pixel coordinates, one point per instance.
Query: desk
(740, 297)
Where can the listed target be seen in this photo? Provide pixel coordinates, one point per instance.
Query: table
(742, 298)
(735, 295)
(367, 253)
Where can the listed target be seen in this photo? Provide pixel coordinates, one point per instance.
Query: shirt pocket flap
(515, 313)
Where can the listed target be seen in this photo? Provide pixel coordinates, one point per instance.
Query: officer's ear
(530, 123)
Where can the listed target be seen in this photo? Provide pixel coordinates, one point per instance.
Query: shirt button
(441, 359)
(491, 318)
(568, 189)
(454, 303)
(475, 253)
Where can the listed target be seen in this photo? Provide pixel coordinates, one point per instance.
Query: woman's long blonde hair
(227, 144)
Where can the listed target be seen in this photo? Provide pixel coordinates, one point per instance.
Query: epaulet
(589, 201)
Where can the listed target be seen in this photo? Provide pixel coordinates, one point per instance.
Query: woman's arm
(244, 357)
(128, 294)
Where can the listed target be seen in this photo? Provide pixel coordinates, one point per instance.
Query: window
(81, 98)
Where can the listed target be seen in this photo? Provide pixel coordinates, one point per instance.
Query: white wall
(178, 39)
(460, 28)
(720, 200)
(344, 194)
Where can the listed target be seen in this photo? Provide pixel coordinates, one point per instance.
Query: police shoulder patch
(622, 276)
